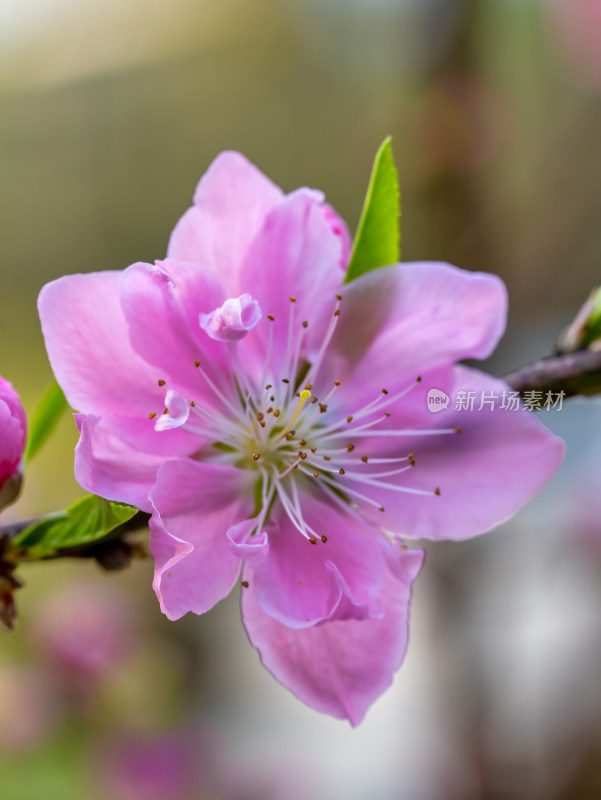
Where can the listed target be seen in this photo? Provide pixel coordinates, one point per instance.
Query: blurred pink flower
(151, 768)
(267, 413)
(13, 433)
(577, 26)
(189, 764)
(84, 628)
(29, 709)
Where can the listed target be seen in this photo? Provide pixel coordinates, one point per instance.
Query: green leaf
(45, 419)
(86, 521)
(378, 238)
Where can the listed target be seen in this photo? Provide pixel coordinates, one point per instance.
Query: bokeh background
(110, 111)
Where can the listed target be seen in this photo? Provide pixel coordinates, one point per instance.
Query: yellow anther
(304, 396)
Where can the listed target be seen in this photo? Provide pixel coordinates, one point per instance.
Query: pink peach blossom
(274, 419)
(13, 433)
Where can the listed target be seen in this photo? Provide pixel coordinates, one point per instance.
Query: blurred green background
(109, 114)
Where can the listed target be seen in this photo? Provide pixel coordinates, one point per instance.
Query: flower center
(286, 438)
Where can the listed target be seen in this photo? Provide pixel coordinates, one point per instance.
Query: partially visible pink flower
(273, 418)
(85, 629)
(13, 433)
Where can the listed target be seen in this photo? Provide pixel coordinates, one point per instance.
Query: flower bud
(584, 333)
(13, 433)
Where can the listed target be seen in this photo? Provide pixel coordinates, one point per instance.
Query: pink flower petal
(195, 505)
(485, 474)
(106, 465)
(397, 322)
(246, 544)
(230, 205)
(88, 346)
(162, 304)
(178, 412)
(338, 226)
(296, 254)
(338, 667)
(299, 583)
(232, 320)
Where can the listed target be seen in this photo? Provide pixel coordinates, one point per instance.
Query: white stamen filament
(287, 362)
(286, 503)
(361, 432)
(265, 372)
(314, 369)
(327, 481)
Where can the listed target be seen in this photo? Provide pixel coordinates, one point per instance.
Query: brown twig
(574, 374)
